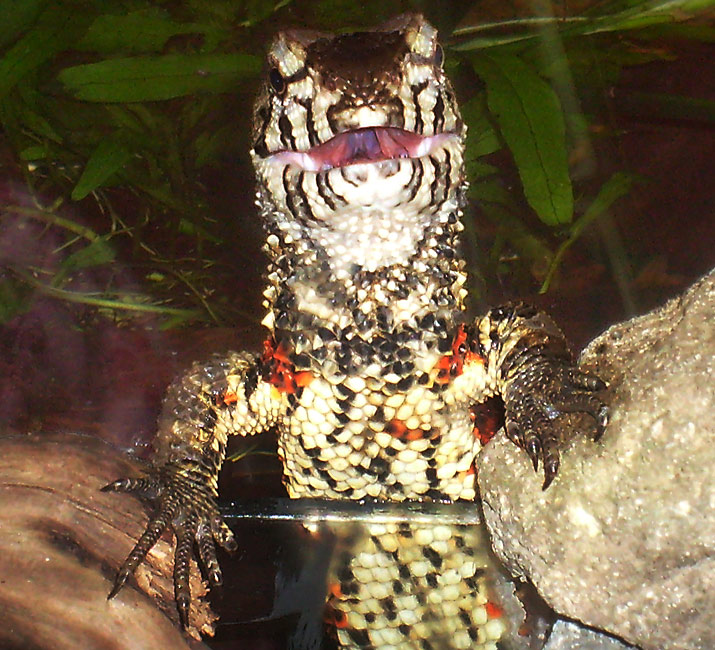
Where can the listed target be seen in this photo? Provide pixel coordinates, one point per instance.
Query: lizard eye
(278, 83)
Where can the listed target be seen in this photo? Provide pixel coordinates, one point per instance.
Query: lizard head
(358, 138)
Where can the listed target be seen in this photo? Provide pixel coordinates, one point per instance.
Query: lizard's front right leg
(233, 394)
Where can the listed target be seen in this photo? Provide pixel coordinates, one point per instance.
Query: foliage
(127, 106)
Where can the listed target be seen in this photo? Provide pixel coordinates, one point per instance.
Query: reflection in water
(411, 586)
(387, 575)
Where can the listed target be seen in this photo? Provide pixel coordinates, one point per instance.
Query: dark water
(350, 575)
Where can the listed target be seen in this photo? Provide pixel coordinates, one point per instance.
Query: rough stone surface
(567, 635)
(61, 542)
(624, 540)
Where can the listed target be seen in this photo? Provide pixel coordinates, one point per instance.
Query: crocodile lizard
(370, 367)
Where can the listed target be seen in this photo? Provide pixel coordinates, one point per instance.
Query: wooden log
(61, 543)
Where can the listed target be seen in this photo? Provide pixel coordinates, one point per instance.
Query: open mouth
(365, 145)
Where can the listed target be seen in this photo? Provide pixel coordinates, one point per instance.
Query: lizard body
(371, 367)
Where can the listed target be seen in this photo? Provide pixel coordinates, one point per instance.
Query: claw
(119, 582)
(183, 603)
(120, 485)
(540, 386)
(602, 417)
(513, 432)
(144, 487)
(185, 534)
(533, 448)
(223, 534)
(185, 501)
(551, 468)
(207, 555)
(551, 464)
(151, 535)
(216, 577)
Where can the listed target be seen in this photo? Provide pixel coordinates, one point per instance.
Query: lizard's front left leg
(227, 395)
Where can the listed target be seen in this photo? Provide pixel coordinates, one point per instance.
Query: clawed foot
(536, 395)
(186, 502)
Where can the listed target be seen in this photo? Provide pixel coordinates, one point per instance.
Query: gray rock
(624, 539)
(567, 635)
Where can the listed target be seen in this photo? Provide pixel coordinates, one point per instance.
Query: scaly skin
(371, 367)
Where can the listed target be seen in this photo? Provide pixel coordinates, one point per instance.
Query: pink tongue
(365, 145)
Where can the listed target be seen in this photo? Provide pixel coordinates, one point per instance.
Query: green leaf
(57, 28)
(38, 124)
(482, 139)
(209, 144)
(528, 245)
(34, 152)
(146, 78)
(614, 188)
(636, 14)
(491, 190)
(197, 230)
(17, 16)
(497, 203)
(679, 32)
(146, 30)
(96, 253)
(531, 121)
(256, 11)
(602, 17)
(477, 170)
(109, 156)
(179, 320)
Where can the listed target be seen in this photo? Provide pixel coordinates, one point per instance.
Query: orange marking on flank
(303, 378)
(334, 617)
(229, 397)
(493, 610)
(279, 370)
(444, 365)
(281, 353)
(451, 365)
(335, 590)
(398, 429)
